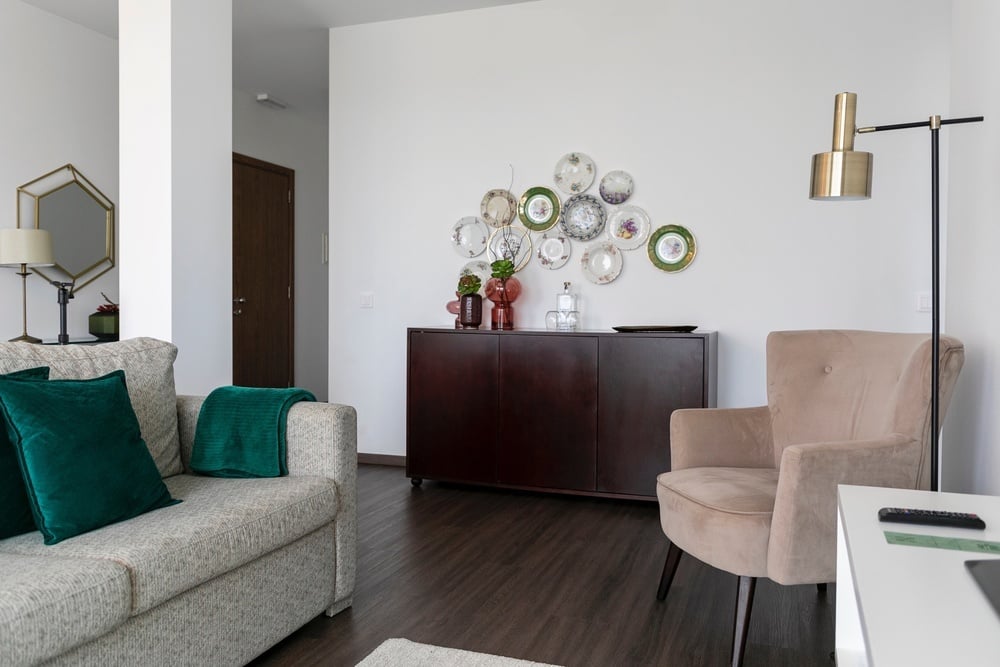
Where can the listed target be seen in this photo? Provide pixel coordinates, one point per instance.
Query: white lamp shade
(31, 247)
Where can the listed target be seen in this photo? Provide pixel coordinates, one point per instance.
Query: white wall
(971, 459)
(714, 108)
(62, 80)
(176, 182)
(299, 142)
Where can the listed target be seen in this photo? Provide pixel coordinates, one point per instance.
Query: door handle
(239, 299)
(238, 311)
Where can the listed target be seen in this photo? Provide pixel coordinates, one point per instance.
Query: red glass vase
(502, 293)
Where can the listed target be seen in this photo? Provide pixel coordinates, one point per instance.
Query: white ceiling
(280, 46)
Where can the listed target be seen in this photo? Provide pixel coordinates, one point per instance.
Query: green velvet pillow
(84, 462)
(15, 510)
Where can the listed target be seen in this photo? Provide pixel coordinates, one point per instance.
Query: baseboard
(382, 459)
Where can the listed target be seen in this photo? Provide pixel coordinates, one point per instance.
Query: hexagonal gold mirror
(80, 219)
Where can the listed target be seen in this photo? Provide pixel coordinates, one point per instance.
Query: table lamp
(24, 248)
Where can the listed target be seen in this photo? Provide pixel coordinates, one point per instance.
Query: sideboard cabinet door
(451, 395)
(547, 419)
(642, 381)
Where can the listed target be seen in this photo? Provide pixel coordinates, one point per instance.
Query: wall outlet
(367, 299)
(924, 302)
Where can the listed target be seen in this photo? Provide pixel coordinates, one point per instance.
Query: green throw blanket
(241, 431)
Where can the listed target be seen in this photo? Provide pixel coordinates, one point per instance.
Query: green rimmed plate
(671, 248)
(538, 209)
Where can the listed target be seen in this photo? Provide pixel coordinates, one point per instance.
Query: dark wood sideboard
(584, 413)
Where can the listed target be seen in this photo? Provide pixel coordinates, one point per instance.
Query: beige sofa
(214, 580)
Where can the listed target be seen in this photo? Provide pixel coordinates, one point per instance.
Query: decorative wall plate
(602, 262)
(582, 217)
(574, 173)
(671, 248)
(628, 227)
(469, 236)
(538, 209)
(477, 268)
(511, 243)
(553, 249)
(616, 186)
(498, 208)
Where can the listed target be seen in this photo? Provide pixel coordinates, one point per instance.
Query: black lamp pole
(934, 123)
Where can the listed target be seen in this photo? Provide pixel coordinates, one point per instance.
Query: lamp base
(25, 338)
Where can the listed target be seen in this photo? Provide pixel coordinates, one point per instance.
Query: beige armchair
(753, 491)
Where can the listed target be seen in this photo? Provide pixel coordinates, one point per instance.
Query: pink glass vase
(502, 293)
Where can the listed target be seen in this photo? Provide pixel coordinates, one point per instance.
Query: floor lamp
(844, 173)
(24, 248)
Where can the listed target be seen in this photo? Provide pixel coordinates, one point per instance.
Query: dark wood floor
(564, 580)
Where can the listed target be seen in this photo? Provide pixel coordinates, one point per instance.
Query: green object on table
(241, 431)
(938, 542)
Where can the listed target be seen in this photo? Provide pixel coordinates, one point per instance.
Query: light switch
(367, 299)
(924, 302)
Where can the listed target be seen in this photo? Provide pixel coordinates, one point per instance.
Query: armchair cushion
(722, 515)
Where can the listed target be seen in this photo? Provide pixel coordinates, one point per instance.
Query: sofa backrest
(149, 372)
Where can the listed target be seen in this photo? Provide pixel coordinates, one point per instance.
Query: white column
(175, 212)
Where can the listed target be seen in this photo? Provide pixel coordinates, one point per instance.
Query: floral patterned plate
(628, 227)
(498, 208)
(602, 262)
(469, 236)
(574, 173)
(538, 208)
(553, 249)
(477, 268)
(511, 243)
(671, 248)
(616, 186)
(583, 217)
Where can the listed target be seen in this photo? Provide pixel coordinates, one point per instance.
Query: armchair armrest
(733, 437)
(803, 541)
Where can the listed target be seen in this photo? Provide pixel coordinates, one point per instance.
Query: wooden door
(263, 231)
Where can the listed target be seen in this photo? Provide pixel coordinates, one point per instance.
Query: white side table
(908, 605)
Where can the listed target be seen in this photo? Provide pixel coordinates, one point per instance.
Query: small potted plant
(470, 310)
(104, 323)
(502, 289)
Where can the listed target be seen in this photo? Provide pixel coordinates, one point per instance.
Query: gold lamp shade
(842, 173)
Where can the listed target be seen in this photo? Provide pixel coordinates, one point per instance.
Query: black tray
(675, 328)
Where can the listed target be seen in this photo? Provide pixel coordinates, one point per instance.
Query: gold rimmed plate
(671, 248)
(511, 243)
(538, 209)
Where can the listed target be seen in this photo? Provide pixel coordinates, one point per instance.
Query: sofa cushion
(222, 524)
(149, 369)
(15, 510)
(83, 461)
(48, 605)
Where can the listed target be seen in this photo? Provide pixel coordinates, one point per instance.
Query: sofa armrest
(733, 437)
(803, 542)
(321, 439)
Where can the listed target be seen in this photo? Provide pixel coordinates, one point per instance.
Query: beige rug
(404, 653)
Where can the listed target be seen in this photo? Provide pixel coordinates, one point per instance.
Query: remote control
(931, 517)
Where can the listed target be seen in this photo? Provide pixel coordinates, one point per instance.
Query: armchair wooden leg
(744, 602)
(669, 568)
